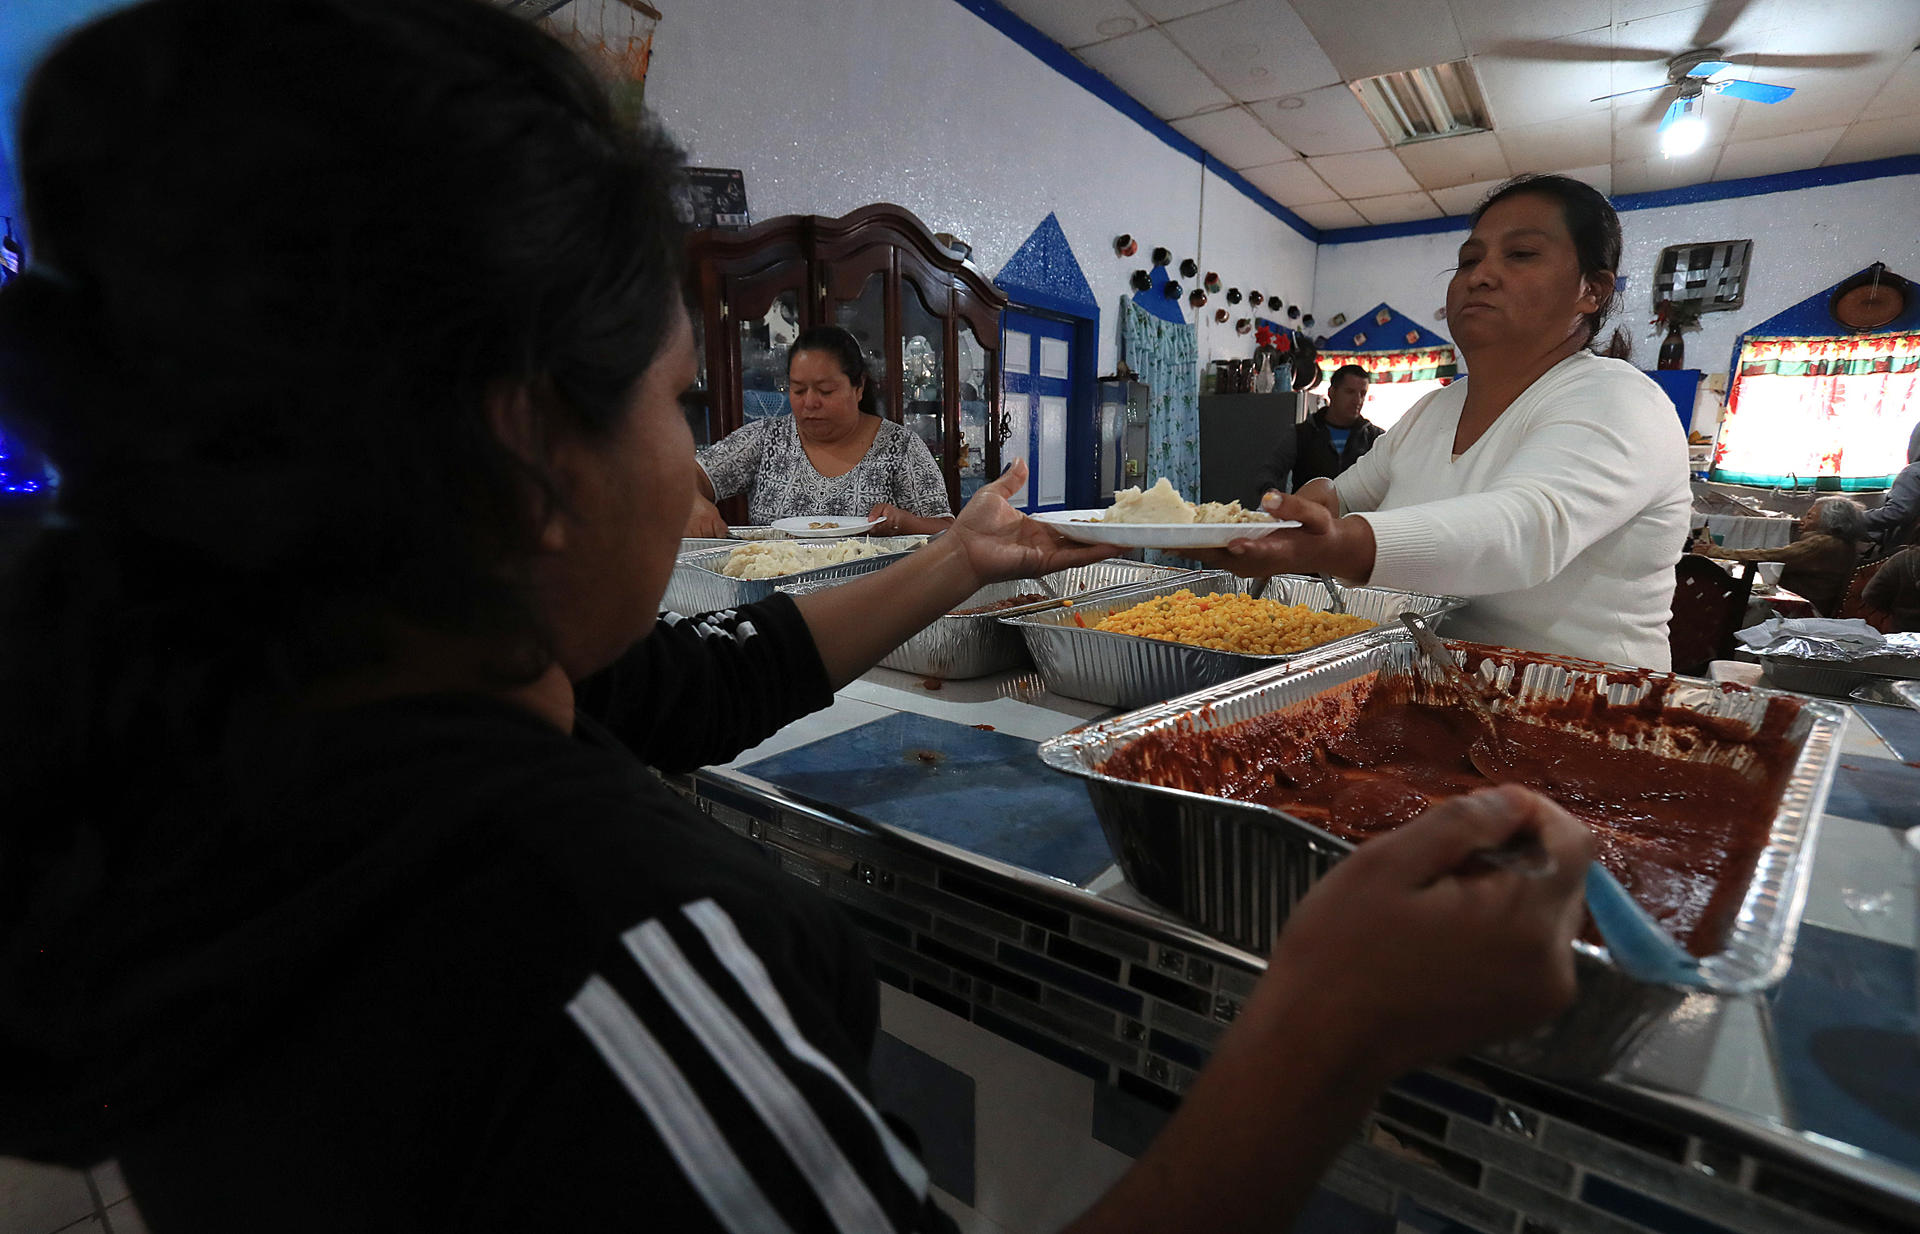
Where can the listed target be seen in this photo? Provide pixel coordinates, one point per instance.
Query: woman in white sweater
(1550, 486)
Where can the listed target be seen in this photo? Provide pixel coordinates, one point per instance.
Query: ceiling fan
(1693, 75)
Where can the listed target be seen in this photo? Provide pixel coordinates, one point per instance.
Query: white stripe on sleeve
(673, 1108)
(795, 1123)
(724, 937)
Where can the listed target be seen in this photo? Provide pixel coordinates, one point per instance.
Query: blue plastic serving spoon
(1639, 945)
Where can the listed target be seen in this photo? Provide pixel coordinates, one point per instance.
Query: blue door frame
(1076, 388)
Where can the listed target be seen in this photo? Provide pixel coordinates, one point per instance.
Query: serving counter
(996, 915)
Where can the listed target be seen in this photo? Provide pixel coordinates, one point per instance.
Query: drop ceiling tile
(1899, 94)
(1396, 208)
(1462, 198)
(1447, 161)
(1330, 214)
(1533, 83)
(1876, 139)
(1291, 184)
(1600, 176)
(1150, 68)
(1573, 142)
(1075, 23)
(1255, 49)
(1883, 29)
(1327, 121)
(1648, 174)
(1822, 99)
(1397, 35)
(1168, 10)
(1369, 173)
(1234, 137)
(1741, 159)
(1489, 24)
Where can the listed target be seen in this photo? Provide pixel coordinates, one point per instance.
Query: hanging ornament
(1293, 312)
(1243, 326)
(1220, 315)
(1359, 340)
(1162, 257)
(1382, 317)
(1188, 267)
(1233, 295)
(1213, 283)
(1256, 299)
(1273, 304)
(1307, 321)
(1440, 314)
(1339, 319)
(1142, 280)
(1413, 336)
(1170, 289)
(1125, 245)
(1197, 298)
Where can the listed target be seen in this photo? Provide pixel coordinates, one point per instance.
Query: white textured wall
(830, 107)
(1803, 240)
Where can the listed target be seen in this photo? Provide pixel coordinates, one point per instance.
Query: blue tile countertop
(985, 888)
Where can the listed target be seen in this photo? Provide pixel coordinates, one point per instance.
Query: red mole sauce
(1682, 836)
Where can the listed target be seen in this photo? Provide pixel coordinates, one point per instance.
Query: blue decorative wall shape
(1044, 274)
(1810, 319)
(1154, 300)
(1389, 337)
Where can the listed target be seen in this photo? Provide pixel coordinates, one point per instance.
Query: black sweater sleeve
(699, 690)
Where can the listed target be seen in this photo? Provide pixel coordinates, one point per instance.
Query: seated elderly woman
(835, 455)
(1821, 558)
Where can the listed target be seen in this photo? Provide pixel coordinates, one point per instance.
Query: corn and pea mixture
(1233, 622)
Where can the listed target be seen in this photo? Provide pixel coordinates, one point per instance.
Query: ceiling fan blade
(1718, 20)
(1707, 68)
(1523, 49)
(1675, 110)
(1829, 60)
(1757, 91)
(1625, 93)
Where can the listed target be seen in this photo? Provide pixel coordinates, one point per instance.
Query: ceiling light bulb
(1683, 137)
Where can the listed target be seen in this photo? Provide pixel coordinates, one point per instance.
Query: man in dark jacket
(1330, 440)
(1891, 524)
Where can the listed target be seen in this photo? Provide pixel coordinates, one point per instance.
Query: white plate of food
(822, 526)
(1161, 518)
(1088, 527)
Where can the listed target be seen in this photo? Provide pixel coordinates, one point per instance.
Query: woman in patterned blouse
(833, 456)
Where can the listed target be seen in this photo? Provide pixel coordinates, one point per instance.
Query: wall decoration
(1233, 295)
(1382, 317)
(1125, 245)
(1197, 298)
(1171, 290)
(1188, 267)
(1162, 257)
(1220, 315)
(615, 38)
(1255, 299)
(713, 197)
(1359, 340)
(1413, 336)
(1142, 280)
(1243, 326)
(1307, 321)
(1293, 312)
(1213, 283)
(1339, 319)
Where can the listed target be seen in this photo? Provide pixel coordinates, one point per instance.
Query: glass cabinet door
(923, 360)
(865, 317)
(697, 402)
(764, 342)
(977, 383)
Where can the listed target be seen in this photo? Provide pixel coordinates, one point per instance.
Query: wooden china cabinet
(928, 321)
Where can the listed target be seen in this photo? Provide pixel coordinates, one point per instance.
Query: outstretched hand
(1000, 543)
(1323, 543)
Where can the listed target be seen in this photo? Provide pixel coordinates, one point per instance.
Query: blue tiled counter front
(984, 889)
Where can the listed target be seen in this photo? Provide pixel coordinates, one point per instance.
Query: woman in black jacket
(337, 889)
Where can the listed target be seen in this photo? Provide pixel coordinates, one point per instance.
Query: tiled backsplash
(1473, 1145)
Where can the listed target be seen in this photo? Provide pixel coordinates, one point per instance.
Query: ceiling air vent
(1422, 104)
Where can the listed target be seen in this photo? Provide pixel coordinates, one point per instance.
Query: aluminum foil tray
(1112, 574)
(1236, 869)
(697, 586)
(1125, 670)
(1835, 677)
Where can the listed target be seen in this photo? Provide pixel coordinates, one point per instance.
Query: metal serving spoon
(1491, 759)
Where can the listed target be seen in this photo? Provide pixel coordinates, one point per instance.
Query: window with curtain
(1831, 413)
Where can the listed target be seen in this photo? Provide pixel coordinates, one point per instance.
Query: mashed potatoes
(775, 558)
(1163, 504)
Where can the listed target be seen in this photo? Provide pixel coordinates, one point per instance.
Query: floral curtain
(1166, 355)
(1383, 366)
(1831, 413)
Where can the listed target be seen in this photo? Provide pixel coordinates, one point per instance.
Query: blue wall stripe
(1062, 61)
(1686, 195)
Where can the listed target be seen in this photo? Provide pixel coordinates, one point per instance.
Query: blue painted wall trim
(1687, 195)
(1062, 61)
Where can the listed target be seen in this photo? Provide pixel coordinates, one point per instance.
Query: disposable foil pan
(697, 586)
(1112, 574)
(1836, 677)
(1236, 869)
(1125, 670)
